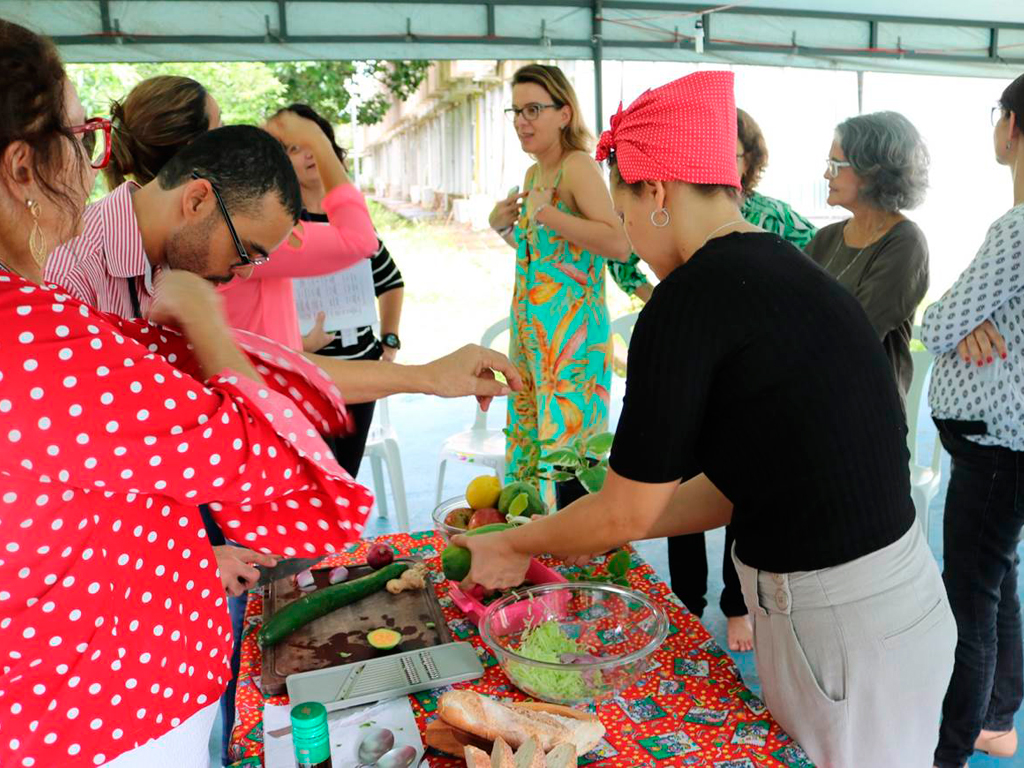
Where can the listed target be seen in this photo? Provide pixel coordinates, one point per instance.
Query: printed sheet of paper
(347, 297)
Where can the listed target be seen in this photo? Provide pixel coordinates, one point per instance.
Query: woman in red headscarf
(757, 393)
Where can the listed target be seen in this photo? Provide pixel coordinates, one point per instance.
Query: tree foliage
(328, 85)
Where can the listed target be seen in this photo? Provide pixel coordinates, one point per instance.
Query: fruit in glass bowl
(452, 516)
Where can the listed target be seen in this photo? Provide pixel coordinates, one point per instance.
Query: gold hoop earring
(654, 222)
(36, 238)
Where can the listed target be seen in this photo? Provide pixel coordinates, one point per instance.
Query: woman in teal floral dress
(564, 230)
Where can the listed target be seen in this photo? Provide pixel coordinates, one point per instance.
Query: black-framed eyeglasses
(245, 260)
(531, 111)
(997, 114)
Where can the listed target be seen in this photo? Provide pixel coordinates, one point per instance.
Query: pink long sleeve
(326, 249)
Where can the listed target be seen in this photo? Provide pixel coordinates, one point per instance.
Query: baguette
(476, 758)
(530, 755)
(562, 756)
(548, 724)
(501, 755)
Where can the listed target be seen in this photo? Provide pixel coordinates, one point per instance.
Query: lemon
(483, 492)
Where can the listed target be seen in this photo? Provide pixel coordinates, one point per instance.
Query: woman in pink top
(265, 302)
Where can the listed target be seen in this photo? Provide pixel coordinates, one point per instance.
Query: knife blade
(284, 568)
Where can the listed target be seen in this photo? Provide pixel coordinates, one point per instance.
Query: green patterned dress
(560, 341)
(777, 217)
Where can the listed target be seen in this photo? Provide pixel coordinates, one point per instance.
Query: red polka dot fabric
(113, 620)
(690, 709)
(682, 131)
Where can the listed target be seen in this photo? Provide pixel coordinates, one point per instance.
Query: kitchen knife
(284, 568)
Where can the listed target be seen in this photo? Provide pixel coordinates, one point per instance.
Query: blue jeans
(236, 608)
(983, 519)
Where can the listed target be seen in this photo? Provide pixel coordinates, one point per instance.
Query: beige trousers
(854, 660)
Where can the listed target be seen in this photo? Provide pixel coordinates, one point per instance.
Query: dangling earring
(36, 239)
(658, 212)
(1008, 145)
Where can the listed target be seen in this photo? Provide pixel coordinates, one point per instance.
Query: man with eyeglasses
(220, 206)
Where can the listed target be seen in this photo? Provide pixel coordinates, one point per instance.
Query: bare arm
(623, 511)
(190, 302)
(467, 371)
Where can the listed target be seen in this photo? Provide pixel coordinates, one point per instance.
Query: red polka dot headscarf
(682, 131)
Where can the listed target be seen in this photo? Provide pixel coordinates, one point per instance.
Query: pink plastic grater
(515, 615)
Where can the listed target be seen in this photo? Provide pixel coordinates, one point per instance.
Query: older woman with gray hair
(877, 168)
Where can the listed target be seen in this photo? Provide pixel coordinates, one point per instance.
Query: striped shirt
(386, 277)
(96, 266)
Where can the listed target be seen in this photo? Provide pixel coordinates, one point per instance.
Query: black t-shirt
(754, 366)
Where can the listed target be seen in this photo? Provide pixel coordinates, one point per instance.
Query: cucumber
(455, 560)
(323, 601)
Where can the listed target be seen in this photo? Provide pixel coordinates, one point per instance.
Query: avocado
(511, 491)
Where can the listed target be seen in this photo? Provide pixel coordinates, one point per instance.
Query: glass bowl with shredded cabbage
(574, 642)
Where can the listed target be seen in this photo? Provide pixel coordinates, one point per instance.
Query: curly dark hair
(32, 110)
(244, 162)
(306, 111)
(755, 151)
(151, 124)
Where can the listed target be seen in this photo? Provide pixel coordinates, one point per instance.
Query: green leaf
(562, 477)
(592, 478)
(519, 505)
(600, 444)
(618, 564)
(621, 581)
(561, 458)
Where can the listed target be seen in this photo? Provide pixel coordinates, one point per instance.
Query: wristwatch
(391, 340)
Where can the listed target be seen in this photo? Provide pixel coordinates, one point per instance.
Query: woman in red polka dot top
(114, 636)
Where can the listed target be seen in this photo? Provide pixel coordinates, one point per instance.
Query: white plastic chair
(382, 448)
(623, 326)
(478, 444)
(924, 479)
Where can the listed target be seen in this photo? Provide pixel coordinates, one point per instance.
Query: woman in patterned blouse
(687, 555)
(977, 400)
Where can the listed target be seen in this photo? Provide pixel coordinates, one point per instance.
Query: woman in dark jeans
(977, 400)
(358, 343)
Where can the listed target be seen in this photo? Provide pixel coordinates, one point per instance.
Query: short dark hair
(755, 151)
(244, 162)
(708, 190)
(1012, 99)
(306, 111)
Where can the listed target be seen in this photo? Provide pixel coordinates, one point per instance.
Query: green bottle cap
(309, 733)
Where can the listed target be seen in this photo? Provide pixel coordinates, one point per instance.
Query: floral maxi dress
(560, 341)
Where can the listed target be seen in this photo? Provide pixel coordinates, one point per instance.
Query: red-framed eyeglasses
(96, 150)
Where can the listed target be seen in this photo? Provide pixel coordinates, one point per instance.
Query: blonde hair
(155, 120)
(576, 135)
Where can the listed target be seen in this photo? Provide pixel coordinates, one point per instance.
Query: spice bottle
(310, 736)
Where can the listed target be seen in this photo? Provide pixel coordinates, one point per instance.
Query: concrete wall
(449, 147)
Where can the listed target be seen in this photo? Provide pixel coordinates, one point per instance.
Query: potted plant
(579, 468)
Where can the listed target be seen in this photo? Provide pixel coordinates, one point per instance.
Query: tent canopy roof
(983, 37)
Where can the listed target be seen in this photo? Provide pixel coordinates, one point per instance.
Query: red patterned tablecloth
(691, 709)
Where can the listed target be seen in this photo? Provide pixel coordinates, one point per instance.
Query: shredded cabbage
(547, 641)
